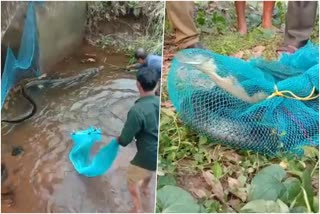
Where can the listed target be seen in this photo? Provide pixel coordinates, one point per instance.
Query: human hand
(130, 66)
(118, 139)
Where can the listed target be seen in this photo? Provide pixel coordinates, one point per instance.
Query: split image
(160, 107)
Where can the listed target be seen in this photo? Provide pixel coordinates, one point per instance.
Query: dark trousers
(300, 20)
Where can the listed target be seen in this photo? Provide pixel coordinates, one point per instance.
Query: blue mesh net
(271, 125)
(80, 154)
(26, 65)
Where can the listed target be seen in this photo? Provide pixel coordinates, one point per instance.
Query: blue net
(80, 154)
(269, 107)
(26, 65)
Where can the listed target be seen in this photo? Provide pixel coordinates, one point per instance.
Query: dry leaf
(234, 183)
(284, 164)
(257, 51)
(215, 184)
(199, 192)
(238, 55)
(234, 203)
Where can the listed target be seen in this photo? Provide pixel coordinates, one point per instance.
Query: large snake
(207, 110)
(87, 73)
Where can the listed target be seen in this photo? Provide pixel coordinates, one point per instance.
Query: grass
(184, 155)
(151, 15)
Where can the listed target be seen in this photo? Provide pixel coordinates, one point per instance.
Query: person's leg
(241, 16)
(300, 20)
(145, 185)
(135, 196)
(135, 175)
(180, 15)
(268, 7)
(133, 180)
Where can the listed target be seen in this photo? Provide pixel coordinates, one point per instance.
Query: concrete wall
(61, 28)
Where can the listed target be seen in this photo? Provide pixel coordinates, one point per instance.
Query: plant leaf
(265, 206)
(307, 185)
(267, 184)
(292, 189)
(217, 170)
(168, 112)
(173, 199)
(166, 180)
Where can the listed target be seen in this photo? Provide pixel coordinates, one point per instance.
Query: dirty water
(45, 179)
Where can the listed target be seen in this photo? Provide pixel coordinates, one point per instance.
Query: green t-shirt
(142, 123)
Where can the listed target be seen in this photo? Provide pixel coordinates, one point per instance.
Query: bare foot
(289, 49)
(242, 30)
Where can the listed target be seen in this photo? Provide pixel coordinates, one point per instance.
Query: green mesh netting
(27, 63)
(269, 126)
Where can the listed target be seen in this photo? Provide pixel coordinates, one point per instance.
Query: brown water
(46, 180)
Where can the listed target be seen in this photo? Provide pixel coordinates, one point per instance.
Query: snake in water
(87, 73)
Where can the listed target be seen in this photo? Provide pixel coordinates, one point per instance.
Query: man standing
(180, 14)
(142, 123)
(300, 20)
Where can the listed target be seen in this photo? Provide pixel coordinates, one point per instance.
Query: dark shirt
(142, 123)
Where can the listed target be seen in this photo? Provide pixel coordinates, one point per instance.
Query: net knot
(291, 95)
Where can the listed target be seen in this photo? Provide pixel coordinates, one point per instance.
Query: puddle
(47, 180)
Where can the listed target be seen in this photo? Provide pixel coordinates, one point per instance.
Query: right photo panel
(239, 121)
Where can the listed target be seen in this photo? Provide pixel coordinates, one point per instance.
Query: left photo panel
(80, 87)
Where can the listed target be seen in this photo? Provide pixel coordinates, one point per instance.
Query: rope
(278, 93)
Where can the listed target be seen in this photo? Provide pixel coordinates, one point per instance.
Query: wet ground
(45, 178)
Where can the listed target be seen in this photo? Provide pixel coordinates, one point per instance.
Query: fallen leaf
(215, 184)
(238, 55)
(235, 188)
(235, 203)
(200, 193)
(233, 183)
(284, 164)
(258, 50)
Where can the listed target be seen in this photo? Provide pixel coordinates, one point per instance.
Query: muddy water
(45, 178)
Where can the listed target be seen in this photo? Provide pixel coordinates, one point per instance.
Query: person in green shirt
(142, 124)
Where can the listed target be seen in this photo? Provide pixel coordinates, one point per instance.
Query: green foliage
(265, 206)
(166, 180)
(267, 184)
(173, 199)
(151, 15)
(245, 181)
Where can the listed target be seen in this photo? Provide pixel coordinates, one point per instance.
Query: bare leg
(145, 186)
(135, 197)
(267, 14)
(241, 16)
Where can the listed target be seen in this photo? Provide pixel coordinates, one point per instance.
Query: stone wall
(61, 27)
